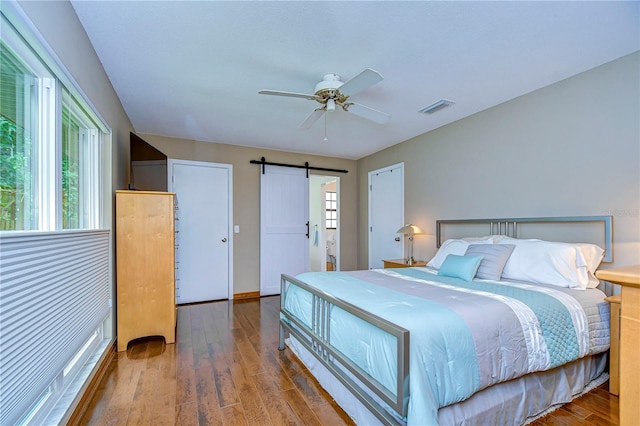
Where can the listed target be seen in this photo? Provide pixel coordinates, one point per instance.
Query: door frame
(326, 179)
(338, 238)
(369, 212)
(229, 167)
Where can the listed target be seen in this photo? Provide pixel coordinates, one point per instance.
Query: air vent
(436, 106)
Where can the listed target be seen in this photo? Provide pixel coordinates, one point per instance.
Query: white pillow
(482, 240)
(546, 262)
(453, 246)
(591, 253)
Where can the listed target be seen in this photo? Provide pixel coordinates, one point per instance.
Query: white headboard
(572, 229)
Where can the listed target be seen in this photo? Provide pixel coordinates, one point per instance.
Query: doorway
(324, 214)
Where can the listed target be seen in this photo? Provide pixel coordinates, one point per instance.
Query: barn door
(284, 225)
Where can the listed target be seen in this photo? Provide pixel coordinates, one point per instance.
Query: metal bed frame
(509, 227)
(317, 338)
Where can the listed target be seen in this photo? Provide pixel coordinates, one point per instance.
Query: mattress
(464, 336)
(516, 402)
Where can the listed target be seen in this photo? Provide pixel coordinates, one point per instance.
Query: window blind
(54, 293)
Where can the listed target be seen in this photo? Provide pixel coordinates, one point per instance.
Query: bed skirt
(515, 402)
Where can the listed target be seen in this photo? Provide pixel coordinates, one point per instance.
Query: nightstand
(402, 263)
(614, 347)
(629, 278)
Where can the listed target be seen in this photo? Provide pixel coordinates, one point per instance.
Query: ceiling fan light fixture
(329, 82)
(331, 105)
(436, 106)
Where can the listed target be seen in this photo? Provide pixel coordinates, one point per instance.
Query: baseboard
(249, 295)
(83, 403)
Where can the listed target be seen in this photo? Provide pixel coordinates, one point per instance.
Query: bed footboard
(317, 340)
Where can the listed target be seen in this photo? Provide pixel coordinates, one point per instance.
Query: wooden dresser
(145, 262)
(629, 278)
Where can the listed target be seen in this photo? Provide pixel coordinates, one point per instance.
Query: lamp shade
(410, 229)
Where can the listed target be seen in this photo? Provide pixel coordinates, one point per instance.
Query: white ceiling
(193, 69)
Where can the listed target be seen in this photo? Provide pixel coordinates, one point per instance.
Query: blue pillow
(463, 267)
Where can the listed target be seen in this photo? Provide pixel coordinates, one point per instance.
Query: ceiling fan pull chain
(325, 128)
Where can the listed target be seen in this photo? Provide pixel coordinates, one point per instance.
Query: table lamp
(410, 230)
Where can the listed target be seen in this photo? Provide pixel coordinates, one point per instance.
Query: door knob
(397, 238)
(224, 240)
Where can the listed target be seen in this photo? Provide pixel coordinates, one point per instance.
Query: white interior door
(386, 214)
(204, 238)
(284, 225)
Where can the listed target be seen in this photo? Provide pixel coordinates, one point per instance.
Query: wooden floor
(225, 369)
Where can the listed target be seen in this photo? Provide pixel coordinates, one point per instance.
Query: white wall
(569, 149)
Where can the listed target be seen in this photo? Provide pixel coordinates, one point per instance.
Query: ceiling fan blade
(289, 94)
(368, 113)
(315, 115)
(366, 78)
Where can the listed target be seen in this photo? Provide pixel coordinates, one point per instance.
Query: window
(331, 207)
(50, 146)
(18, 131)
(55, 281)
(79, 166)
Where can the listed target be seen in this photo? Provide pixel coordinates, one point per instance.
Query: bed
(495, 330)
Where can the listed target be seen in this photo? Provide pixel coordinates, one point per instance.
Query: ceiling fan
(332, 91)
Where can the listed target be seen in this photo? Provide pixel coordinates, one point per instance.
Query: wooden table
(629, 278)
(402, 263)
